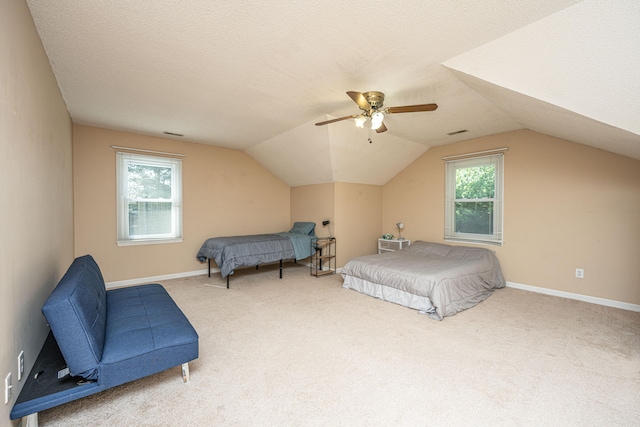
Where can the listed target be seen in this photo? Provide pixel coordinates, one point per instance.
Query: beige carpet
(303, 351)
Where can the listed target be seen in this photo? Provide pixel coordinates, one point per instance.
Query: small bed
(233, 252)
(435, 279)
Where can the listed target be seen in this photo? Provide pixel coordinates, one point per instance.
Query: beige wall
(36, 187)
(355, 212)
(225, 192)
(314, 203)
(358, 220)
(567, 206)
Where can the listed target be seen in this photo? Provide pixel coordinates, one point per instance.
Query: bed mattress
(440, 280)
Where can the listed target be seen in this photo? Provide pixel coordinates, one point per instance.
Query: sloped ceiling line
(256, 78)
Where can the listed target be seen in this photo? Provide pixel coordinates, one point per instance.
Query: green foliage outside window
(475, 190)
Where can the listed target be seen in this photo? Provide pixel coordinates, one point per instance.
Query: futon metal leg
(30, 420)
(209, 259)
(185, 372)
(228, 281)
(281, 269)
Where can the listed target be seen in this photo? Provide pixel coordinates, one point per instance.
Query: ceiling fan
(371, 105)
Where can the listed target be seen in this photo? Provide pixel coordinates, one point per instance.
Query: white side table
(385, 245)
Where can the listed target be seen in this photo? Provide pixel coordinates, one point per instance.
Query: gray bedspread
(445, 279)
(233, 252)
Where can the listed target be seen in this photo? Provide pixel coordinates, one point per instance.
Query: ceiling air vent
(457, 132)
(172, 134)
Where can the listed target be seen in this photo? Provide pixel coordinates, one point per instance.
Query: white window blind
(149, 192)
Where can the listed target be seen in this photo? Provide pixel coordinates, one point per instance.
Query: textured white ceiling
(257, 75)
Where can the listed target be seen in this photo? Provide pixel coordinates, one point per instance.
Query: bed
(233, 252)
(435, 279)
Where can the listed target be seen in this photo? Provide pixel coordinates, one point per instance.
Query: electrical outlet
(20, 365)
(579, 273)
(7, 388)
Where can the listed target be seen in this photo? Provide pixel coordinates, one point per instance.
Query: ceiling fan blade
(411, 108)
(335, 120)
(382, 128)
(359, 99)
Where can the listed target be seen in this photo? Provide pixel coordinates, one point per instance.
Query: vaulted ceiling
(257, 75)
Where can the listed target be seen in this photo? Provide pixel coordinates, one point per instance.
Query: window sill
(147, 242)
(474, 241)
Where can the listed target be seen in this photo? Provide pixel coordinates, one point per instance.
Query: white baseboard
(547, 291)
(132, 282)
(141, 280)
(579, 297)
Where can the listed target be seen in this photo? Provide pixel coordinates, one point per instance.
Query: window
(149, 191)
(473, 201)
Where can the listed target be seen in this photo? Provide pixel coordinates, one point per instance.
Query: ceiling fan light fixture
(376, 120)
(370, 104)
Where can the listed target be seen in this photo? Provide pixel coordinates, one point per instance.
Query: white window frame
(123, 159)
(450, 200)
